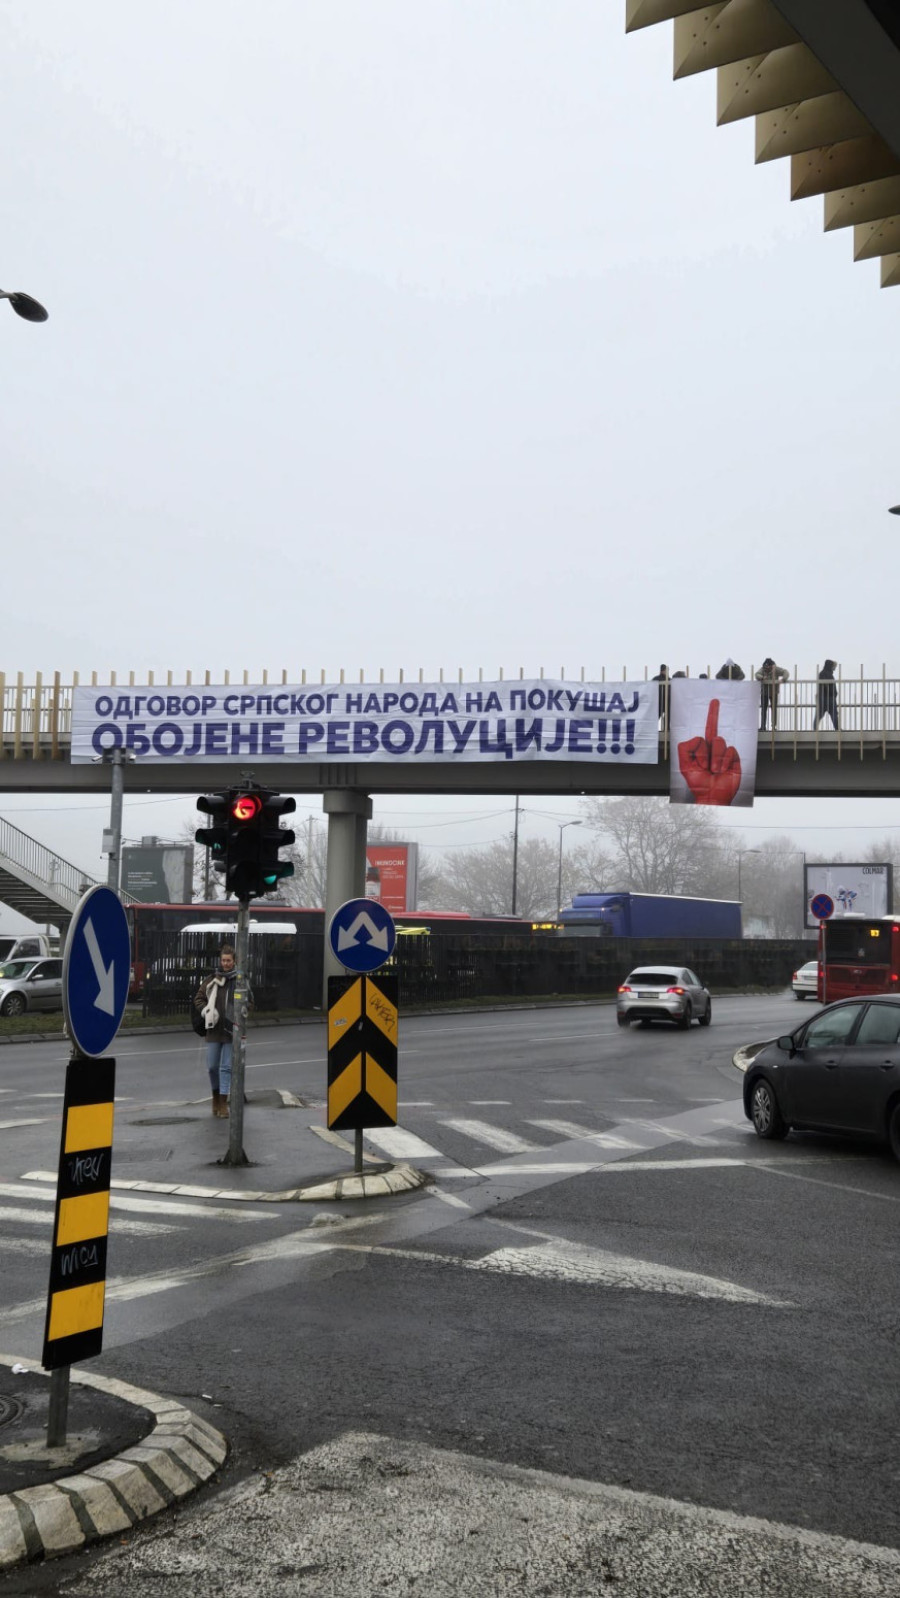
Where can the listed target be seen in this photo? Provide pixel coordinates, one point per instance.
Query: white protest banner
(400, 722)
(713, 731)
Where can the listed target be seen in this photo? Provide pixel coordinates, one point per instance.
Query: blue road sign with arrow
(362, 935)
(96, 971)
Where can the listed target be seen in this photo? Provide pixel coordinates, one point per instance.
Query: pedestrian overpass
(798, 759)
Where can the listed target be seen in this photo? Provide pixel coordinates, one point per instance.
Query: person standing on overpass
(771, 677)
(826, 695)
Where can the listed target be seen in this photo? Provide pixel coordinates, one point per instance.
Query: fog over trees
(641, 845)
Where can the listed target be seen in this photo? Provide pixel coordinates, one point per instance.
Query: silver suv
(663, 993)
(30, 985)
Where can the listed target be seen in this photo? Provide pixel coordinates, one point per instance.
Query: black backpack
(197, 1021)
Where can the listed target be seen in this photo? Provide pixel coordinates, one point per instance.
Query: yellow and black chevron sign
(362, 1051)
(74, 1327)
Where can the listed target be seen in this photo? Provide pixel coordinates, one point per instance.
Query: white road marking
(9, 1212)
(482, 1103)
(540, 1167)
(140, 1206)
(672, 1165)
(400, 1144)
(448, 1198)
(295, 1245)
(8, 1126)
(564, 1101)
(565, 1128)
(494, 1136)
(772, 1169)
(575, 1264)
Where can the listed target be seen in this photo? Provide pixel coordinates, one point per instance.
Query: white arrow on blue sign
(362, 935)
(96, 971)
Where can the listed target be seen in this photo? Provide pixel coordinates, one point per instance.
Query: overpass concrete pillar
(348, 813)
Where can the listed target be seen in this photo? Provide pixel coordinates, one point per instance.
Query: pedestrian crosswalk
(462, 1142)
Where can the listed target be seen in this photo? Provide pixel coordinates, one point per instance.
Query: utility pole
(235, 1154)
(515, 885)
(112, 839)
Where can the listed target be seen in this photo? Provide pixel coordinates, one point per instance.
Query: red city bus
(858, 957)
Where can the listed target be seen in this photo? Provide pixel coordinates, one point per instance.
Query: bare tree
(655, 847)
(772, 887)
(480, 880)
(310, 859)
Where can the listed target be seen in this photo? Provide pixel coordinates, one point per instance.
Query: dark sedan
(839, 1072)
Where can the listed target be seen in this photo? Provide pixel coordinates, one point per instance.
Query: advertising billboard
(837, 890)
(391, 875)
(159, 873)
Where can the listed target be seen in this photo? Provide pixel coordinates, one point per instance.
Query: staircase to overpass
(35, 882)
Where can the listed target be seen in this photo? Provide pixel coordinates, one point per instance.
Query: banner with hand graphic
(713, 738)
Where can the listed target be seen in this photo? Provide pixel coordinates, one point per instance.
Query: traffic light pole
(235, 1154)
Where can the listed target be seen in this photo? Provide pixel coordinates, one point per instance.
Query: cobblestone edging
(178, 1455)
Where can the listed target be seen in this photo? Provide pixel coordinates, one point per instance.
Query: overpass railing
(35, 717)
(63, 882)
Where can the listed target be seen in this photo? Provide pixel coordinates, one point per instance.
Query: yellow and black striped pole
(362, 1051)
(75, 1301)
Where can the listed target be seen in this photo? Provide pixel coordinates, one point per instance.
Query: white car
(805, 982)
(663, 993)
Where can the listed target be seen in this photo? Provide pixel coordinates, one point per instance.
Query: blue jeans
(218, 1064)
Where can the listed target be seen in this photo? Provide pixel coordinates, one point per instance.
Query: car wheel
(894, 1131)
(622, 1020)
(705, 1019)
(644, 1022)
(799, 997)
(768, 1121)
(15, 1005)
(685, 1020)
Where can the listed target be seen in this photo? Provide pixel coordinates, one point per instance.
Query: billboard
(161, 873)
(861, 889)
(392, 875)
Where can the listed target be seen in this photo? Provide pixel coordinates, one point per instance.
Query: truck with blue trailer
(650, 915)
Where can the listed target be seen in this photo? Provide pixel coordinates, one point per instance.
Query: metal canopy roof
(822, 79)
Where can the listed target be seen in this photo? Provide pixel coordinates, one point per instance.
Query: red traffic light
(246, 806)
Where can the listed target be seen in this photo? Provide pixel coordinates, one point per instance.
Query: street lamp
(23, 305)
(562, 827)
(739, 854)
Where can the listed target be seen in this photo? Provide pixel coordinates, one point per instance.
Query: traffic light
(275, 837)
(245, 817)
(214, 838)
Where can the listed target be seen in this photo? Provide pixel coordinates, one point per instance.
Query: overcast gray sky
(425, 333)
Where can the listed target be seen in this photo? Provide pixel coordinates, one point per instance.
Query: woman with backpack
(214, 1000)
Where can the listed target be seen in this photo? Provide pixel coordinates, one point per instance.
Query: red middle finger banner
(713, 738)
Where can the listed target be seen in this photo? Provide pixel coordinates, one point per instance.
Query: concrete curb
(178, 1455)
(355, 1185)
